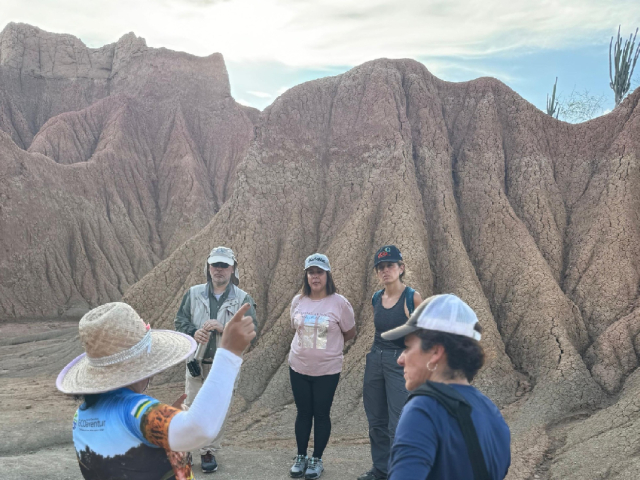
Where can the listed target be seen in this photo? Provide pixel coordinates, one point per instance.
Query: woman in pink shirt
(323, 321)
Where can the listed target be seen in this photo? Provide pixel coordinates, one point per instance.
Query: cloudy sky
(272, 45)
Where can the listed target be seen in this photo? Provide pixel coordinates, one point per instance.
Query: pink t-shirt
(317, 346)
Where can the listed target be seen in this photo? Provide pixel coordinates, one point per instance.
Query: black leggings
(313, 397)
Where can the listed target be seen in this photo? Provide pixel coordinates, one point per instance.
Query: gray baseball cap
(442, 313)
(317, 260)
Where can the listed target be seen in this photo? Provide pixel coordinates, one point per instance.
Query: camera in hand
(194, 365)
(194, 368)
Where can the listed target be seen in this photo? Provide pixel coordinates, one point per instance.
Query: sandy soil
(35, 419)
(59, 463)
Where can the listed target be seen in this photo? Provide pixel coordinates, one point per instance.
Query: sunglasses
(219, 265)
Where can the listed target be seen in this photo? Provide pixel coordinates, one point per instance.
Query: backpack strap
(376, 296)
(409, 300)
(458, 407)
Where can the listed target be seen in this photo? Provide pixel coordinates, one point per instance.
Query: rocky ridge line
(532, 221)
(109, 159)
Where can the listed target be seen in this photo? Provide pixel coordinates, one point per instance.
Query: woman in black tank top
(384, 392)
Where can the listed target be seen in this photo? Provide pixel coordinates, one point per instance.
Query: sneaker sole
(314, 477)
(296, 475)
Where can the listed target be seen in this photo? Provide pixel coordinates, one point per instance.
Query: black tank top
(386, 319)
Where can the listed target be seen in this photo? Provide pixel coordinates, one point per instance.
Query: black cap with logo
(388, 253)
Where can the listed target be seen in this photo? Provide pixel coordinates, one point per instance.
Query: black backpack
(408, 298)
(458, 407)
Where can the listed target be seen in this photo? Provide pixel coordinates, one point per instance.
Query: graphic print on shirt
(313, 330)
(155, 428)
(125, 435)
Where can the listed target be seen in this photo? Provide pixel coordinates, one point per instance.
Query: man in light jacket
(203, 314)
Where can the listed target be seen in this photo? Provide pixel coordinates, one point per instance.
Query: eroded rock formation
(109, 159)
(532, 221)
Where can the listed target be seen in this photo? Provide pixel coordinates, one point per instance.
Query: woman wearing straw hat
(448, 428)
(323, 321)
(119, 432)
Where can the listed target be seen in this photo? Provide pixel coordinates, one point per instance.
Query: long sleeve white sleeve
(202, 422)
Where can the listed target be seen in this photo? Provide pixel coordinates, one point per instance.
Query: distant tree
(553, 107)
(581, 106)
(624, 61)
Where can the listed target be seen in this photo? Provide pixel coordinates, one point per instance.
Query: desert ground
(35, 419)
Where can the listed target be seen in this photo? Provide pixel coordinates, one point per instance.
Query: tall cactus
(624, 63)
(553, 105)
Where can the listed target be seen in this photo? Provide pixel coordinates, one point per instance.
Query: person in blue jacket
(442, 355)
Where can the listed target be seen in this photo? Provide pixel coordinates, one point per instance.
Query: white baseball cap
(442, 313)
(318, 260)
(222, 255)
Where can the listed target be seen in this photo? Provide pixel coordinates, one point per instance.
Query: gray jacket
(199, 305)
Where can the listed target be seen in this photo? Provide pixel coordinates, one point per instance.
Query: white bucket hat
(120, 349)
(223, 255)
(442, 313)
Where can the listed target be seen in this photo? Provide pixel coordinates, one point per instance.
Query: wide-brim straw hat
(120, 349)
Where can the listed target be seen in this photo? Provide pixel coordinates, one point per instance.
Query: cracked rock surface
(109, 159)
(134, 155)
(530, 220)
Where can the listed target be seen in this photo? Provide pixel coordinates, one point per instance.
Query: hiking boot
(209, 464)
(314, 468)
(372, 474)
(299, 466)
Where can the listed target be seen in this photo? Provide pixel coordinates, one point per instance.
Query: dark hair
(400, 264)
(306, 288)
(464, 354)
(89, 400)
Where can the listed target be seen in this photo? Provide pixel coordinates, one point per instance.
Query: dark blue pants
(384, 394)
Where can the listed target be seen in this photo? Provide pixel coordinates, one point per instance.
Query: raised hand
(238, 332)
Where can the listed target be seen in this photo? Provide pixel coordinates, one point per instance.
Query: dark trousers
(313, 397)
(384, 394)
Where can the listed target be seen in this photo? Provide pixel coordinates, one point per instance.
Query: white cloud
(339, 32)
(317, 33)
(447, 68)
(259, 94)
